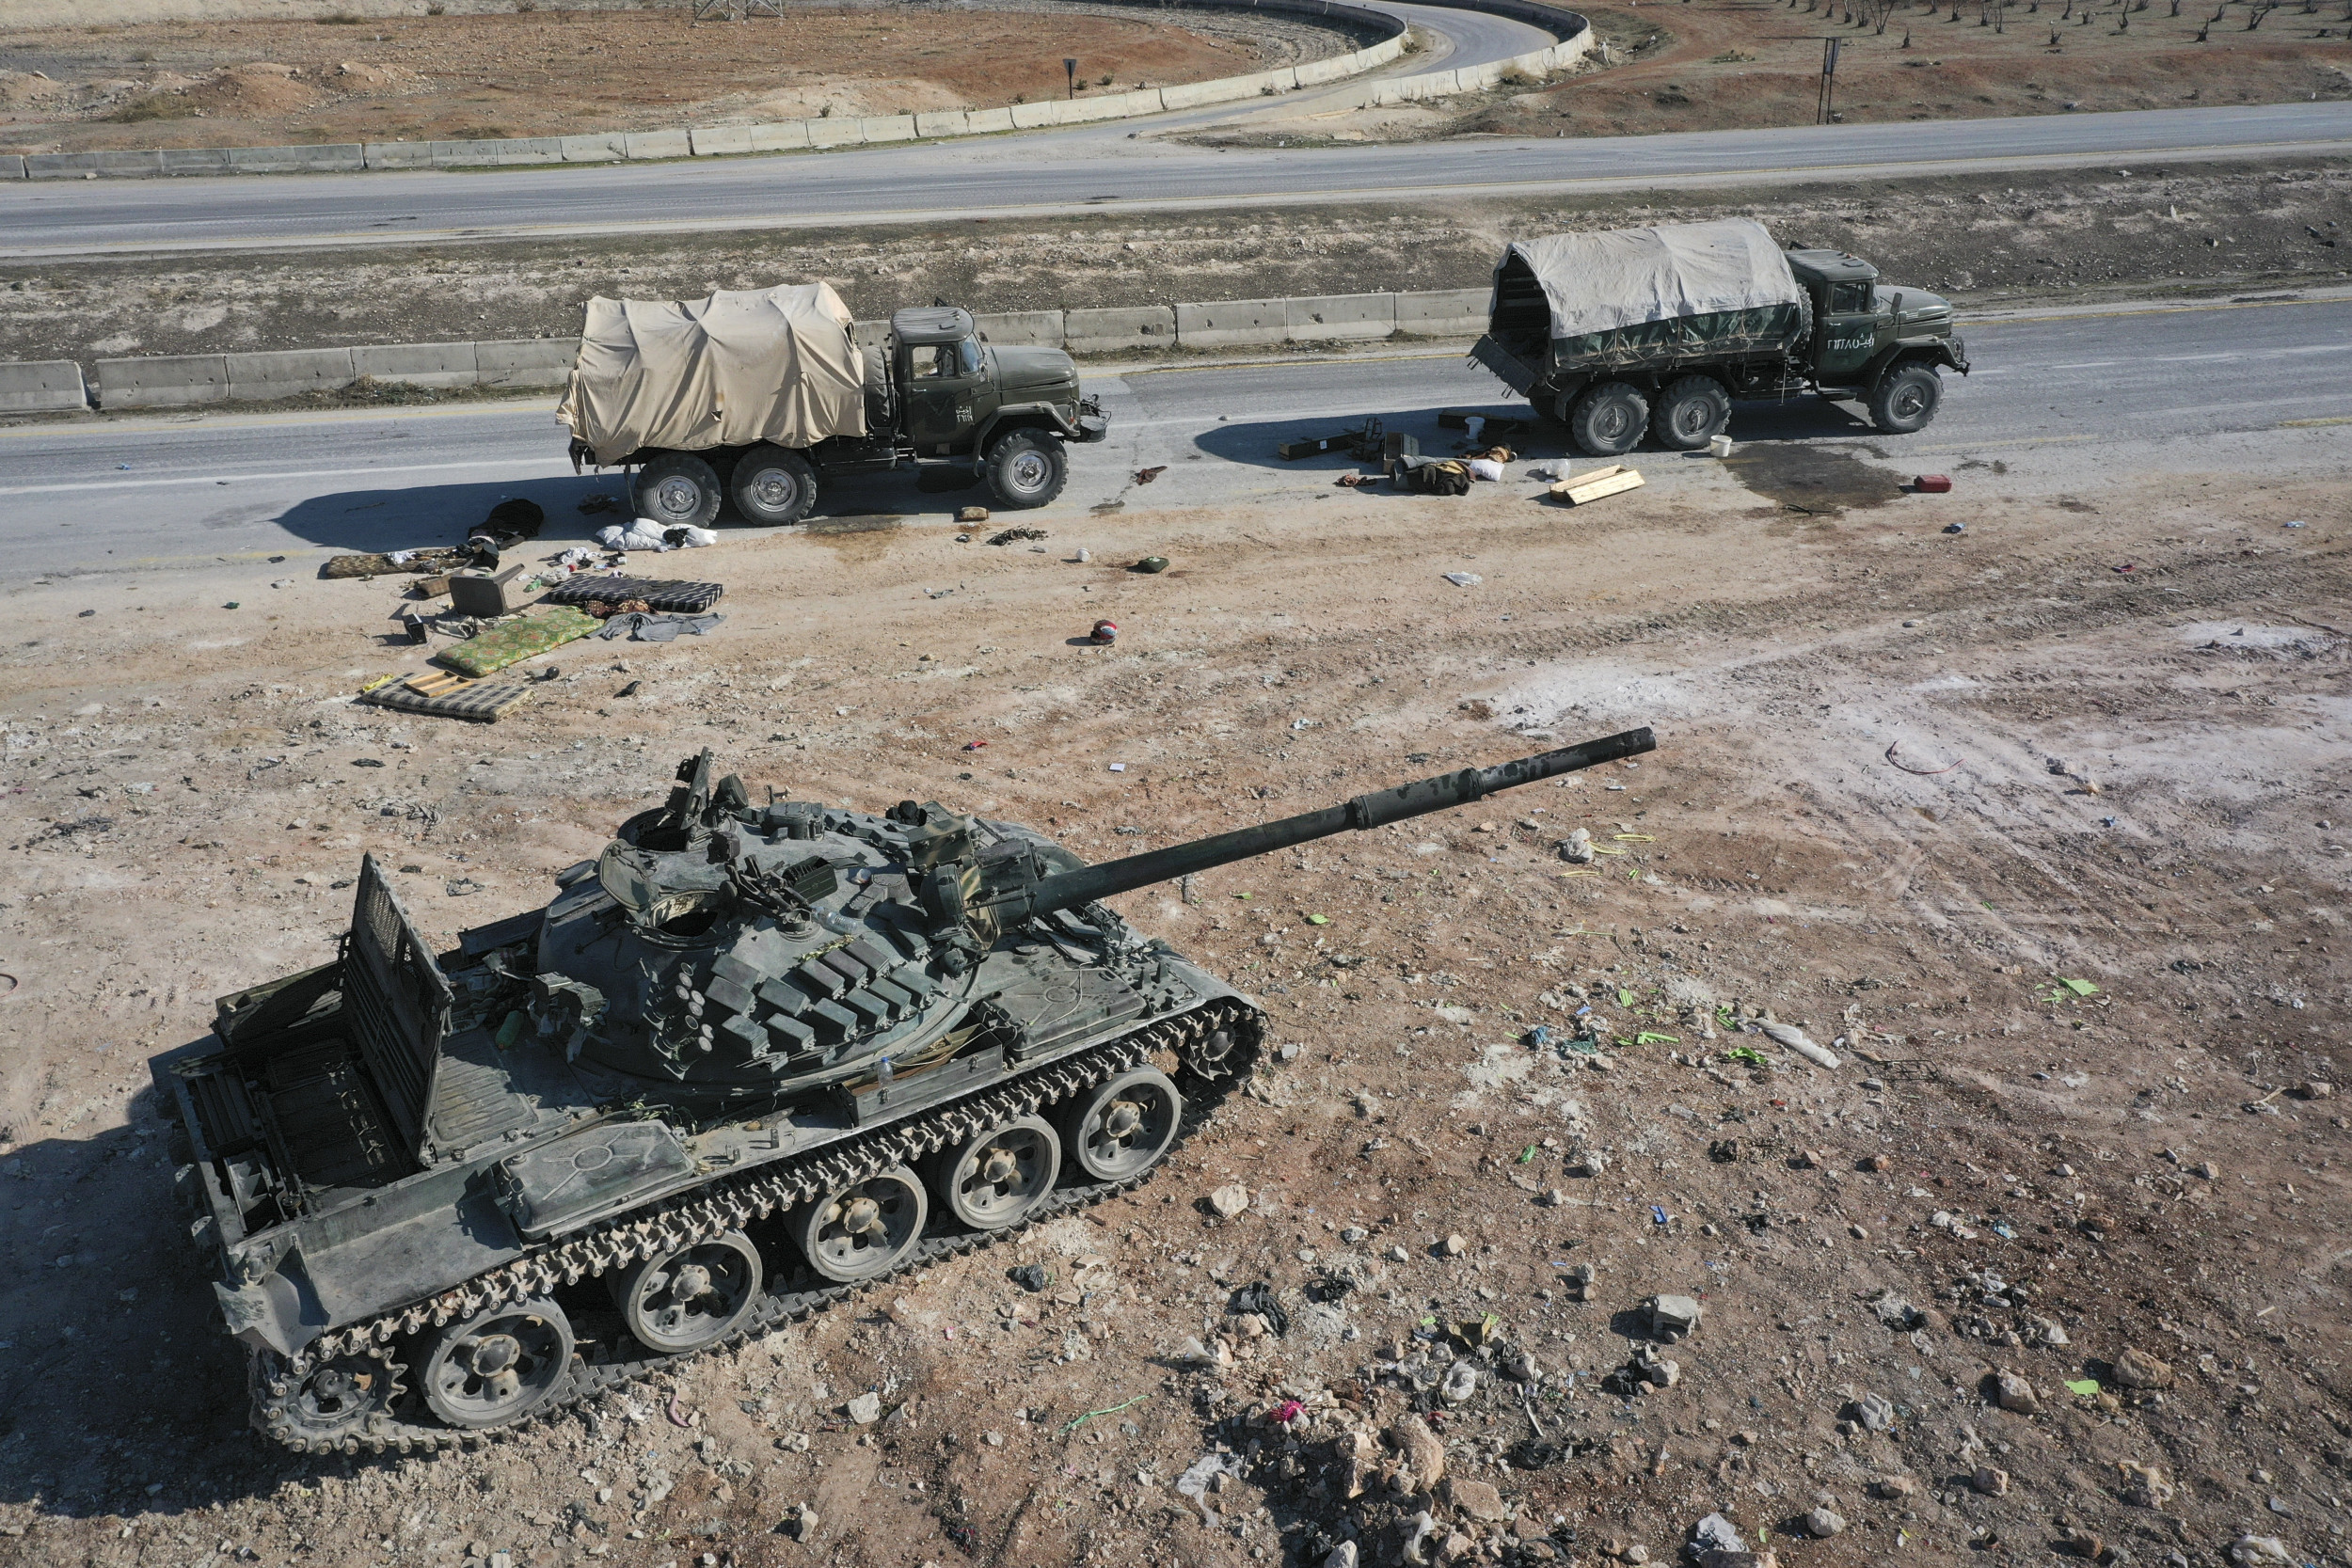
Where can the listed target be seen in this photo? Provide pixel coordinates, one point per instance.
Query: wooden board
(1579, 489)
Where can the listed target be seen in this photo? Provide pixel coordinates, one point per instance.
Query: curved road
(1059, 172)
(2258, 388)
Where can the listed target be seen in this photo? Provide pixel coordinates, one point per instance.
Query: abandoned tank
(748, 1060)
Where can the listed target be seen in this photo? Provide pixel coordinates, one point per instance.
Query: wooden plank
(1592, 487)
(436, 683)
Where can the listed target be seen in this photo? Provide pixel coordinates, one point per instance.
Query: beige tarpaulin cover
(744, 365)
(1625, 277)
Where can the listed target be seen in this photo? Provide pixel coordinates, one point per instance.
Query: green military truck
(1658, 329)
(759, 397)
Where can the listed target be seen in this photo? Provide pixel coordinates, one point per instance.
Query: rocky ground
(2040, 827)
(1708, 64)
(555, 70)
(2141, 230)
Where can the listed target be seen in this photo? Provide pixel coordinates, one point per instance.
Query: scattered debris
(1151, 565)
(1010, 536)
(1799, 1041)
(1105, 633)
(1145, 476)
(1230, 1200)
(1613, 479)
(1464, 579)
(1932, 484)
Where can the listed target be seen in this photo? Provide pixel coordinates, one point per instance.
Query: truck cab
(1888, 347)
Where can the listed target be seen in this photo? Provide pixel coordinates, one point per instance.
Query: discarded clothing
(421, 562)
(512, 642)
(1430, 476)
(641, 628)
(1482, 467)
(1260, 1298)
(514, 518)
(642, 534)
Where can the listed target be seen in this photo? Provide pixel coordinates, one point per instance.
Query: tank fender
(280, 1311)
(1023, 416)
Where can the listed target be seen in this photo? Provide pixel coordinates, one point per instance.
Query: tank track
(728, 1204)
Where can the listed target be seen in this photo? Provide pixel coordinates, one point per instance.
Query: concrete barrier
(657, 144)
(525, 362)
(1443, 312)
(106, 165)
(258, 377)
(1106, 331)
(887, 128)
(168, 381)
(1023, 329)
(1230, 323)
(789, 135)
(1339, 318)
(419, 364)
(163, 381)
(603, 148)
(498, 153)
(989, 122)
(937, 123)
(837, 131)
(328, 158)
(41, 386)
(197, 160)
(397, 155)
(12, 165)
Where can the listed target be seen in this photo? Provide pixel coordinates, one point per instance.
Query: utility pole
(1828, 78)
(1070, 69)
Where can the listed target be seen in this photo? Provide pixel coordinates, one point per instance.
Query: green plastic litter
(2085, 1389)
(1318, 920)
(1647, 1037)
(1245, 897)
(510, 1031)
(1625, 999)
(1747, 1053)
(2080, 988)
(1526, 1155)
(1076, 1421)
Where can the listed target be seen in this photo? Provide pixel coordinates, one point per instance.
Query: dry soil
(2042, 826)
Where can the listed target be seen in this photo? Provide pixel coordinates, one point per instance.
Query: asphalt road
(1088, 166)
(2195, 389)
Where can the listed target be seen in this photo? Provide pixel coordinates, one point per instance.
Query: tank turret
(750, 1058)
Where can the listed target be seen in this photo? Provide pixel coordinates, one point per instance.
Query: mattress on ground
(447, 697)
(511, 642)
(671, 598)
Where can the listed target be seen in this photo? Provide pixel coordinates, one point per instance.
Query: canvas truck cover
(743, 366)
(1622, 278)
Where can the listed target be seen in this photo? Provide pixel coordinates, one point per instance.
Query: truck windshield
(947, 361)
(1848, 296)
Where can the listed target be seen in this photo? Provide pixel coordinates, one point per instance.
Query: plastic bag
(1482, 467)
(690, 538)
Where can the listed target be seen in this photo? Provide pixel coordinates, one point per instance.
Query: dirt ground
(556, 72)
(2051, 851)
(1713, 65)
(2147, 230)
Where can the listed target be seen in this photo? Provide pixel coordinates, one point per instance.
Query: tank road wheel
(1905, 398)
(773, 486)
(1607, 421)
(997, 1179)
(1690, 413)
(864, 1230)
(1026, 469)
(347, 1398)
(1117, 1129)
(678, 490)
(684, 1300)
(499, 1367)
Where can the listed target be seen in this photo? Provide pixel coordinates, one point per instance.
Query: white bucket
(1719, 445)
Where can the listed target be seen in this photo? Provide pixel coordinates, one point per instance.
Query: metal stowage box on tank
(746, 1061)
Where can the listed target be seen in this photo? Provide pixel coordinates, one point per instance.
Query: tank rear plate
(562, 1184)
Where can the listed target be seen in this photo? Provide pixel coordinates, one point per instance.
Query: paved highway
(2054, 398)
(1087, 166)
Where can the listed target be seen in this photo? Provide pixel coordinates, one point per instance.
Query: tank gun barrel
(1067, 889)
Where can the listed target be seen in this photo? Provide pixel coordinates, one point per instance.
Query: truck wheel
(773, 486)
(1690, 412)
(1905, 399)
(678, 490)
(1607, 422)
(1025, 469)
